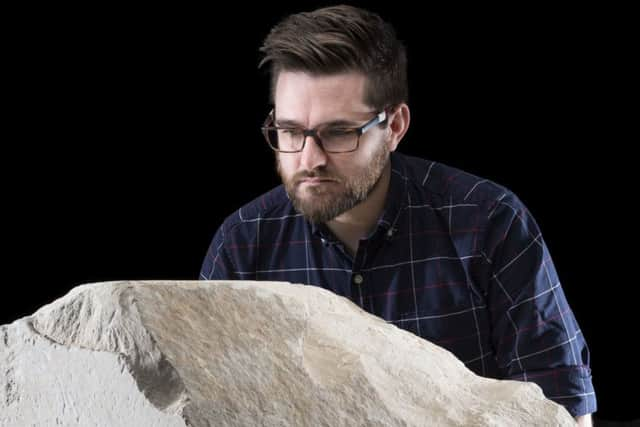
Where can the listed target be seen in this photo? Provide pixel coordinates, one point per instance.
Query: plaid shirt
(455, 259)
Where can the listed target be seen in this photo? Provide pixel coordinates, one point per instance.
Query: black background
(131, 134)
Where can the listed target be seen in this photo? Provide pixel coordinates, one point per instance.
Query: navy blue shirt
(455, 259)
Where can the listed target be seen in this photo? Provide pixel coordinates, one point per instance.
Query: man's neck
(358, 222)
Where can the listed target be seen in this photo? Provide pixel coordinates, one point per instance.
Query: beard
(322, 203)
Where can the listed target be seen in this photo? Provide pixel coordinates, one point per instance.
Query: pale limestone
(240, 354)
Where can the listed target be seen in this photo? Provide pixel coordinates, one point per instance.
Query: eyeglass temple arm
(375, 121)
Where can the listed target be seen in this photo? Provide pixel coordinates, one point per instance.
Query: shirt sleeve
(534, 332)
(217, 264)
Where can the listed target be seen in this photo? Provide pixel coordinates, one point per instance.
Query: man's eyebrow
(333, 123)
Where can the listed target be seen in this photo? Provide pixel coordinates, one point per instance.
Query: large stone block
(240, 354)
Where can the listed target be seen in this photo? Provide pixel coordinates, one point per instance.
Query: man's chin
(317, 216)
(312, 210)
(323, 209)
(315, 208)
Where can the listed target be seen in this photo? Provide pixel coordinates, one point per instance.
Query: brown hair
(341, 39)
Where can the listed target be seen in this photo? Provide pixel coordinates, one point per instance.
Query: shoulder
(448, 184)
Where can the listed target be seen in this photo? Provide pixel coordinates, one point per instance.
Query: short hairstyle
(340, 39)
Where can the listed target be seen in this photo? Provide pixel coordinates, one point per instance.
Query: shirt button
(358, 279)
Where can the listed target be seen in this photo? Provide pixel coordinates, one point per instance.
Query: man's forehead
(303, 97)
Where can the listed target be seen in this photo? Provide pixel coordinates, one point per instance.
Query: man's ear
(399, 119)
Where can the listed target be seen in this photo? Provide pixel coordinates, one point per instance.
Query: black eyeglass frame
(379, 118)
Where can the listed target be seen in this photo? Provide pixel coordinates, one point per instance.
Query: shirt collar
(396, 195)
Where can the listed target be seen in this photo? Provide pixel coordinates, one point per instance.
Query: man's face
(323, 185)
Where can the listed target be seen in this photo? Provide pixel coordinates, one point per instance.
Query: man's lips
(316, 180)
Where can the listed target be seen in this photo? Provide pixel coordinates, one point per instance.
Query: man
(456, 259)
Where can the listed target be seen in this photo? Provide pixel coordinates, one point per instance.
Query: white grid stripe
(380, 267)
(215, 259)
(475, 319)
(515, 347)
(474, 187)
(481, 357)
(292, 270)
(535, 353)
(280, 218)
(428, 173)
(503, 289)
(450, 213)
(539, 236)
(557, 285)
(570, 396)
(449, 206)
(413, 274)
(497, 205)
(306, 253)
(418, 261)
(440, 316)
(515, 212)
(257, 246)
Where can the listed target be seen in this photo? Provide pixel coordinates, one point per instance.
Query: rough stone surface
(240, 354)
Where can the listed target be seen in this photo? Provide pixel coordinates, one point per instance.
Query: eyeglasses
(332, 139)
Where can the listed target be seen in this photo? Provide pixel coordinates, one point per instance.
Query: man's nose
(312, 155)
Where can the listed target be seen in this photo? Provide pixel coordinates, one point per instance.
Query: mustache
(322, 174)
